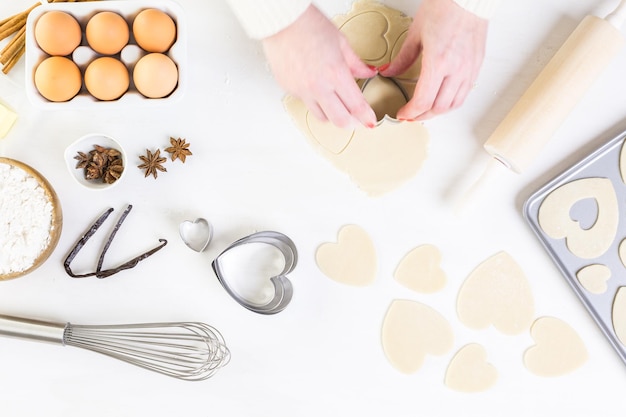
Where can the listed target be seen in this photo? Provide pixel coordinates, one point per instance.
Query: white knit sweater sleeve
(263, 18)
(481, 8)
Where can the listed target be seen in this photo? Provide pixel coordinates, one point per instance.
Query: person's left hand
(451, 41)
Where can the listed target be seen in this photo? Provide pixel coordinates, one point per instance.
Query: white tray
(83, 12)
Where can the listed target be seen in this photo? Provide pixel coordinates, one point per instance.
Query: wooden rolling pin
(557, 89)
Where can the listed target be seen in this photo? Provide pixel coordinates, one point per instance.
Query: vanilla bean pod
(99, 273)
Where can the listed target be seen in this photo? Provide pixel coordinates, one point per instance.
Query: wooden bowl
(57, 218)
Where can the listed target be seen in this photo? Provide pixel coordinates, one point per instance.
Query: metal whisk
(186, 350)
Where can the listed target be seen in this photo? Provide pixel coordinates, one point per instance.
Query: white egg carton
(83, 55)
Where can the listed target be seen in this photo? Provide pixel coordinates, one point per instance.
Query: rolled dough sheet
(558, 349)
(411, 331)
(496, 293)
(381, 159)
(420, 270)
(351, 260)
(469, 370)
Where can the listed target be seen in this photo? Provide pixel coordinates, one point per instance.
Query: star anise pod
(113, 171)
(152, 163)
(93, 171)
(83, 160)
(179, 149)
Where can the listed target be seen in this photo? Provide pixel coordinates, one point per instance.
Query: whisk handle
(41, 331)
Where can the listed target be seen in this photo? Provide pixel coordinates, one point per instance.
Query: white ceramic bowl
(86, 144)
(83, 55)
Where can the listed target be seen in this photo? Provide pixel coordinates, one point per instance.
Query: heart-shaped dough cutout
(622, 251)
(555, 218)
(352, 260)
(622, 162)
(619, 315)
(196, 234)
(469, 370)
(411, 331)
(593, 278)
(420, 270)
(558, 349)
(496, 293)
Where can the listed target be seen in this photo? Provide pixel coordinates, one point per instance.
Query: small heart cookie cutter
(196, 234)
(283, 290)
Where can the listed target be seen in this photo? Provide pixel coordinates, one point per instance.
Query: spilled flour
(25, 219)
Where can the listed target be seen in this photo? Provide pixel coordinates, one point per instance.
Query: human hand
(312, 60)
(452, 43)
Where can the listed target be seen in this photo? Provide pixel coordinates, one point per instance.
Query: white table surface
(252, 170)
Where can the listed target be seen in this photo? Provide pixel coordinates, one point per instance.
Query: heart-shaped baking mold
(283, 289)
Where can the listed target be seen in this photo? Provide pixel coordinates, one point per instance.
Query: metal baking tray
(603, 162)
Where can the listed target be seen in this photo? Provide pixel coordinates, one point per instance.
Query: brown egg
(155, 75)
(154, 30)
(107, 78)
(57, 33)
(58, 78)
(107, 33)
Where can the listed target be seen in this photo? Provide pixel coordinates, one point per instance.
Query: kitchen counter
(252, 170)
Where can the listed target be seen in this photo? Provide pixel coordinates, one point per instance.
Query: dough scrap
(558, 349)
(420, 270)
(352, 260)
(619, 315)
(381, 159)
(496, 293)
(469, 370)
(411, 331)
(593, 278)
(555, 220)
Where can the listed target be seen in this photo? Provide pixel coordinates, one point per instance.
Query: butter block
(7, 119)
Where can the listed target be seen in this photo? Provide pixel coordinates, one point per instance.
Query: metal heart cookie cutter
(283, 290)
(388, 96)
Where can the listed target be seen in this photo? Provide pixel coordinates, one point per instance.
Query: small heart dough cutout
(469, 370)
(496, 293)
(411, 331)
(593, 278)
(352, 260)
(558, 349)
(420, 270)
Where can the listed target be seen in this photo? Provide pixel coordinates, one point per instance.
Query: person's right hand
(312, 60)
(451, 41)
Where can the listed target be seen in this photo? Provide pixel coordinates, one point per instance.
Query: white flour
(25, 219)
